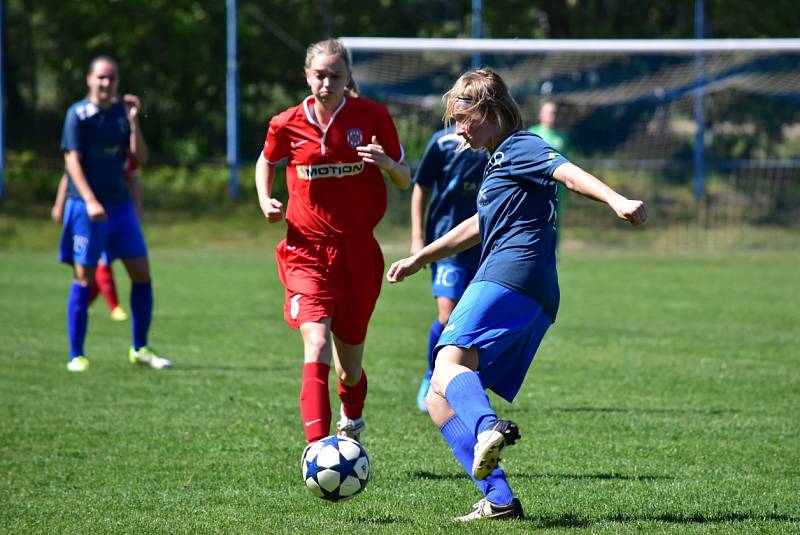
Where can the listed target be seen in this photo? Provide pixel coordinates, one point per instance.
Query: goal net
(708, 131)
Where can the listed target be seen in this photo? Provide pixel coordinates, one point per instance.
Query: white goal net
(708, 131)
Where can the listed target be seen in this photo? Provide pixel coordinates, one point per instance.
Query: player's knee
(316, 346)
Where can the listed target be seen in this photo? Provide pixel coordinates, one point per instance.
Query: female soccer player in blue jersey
(99, 216)
(446, 183)
(497, 326)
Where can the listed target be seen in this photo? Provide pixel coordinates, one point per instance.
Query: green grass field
(665, 399)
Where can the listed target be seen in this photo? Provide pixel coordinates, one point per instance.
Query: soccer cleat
(490, 443)
(119, 314)
(147, 356)
(486, 509)
(78, 364)
(424, 386)
(346, 427)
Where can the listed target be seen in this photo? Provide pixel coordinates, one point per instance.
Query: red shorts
(336, 278)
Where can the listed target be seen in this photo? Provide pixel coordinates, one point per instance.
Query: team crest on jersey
(496, 160)
(355, 136)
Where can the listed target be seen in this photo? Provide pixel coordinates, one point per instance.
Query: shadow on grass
(381, 520)
(570, 520)
(430, 476)
(710, 412)
(222, 368)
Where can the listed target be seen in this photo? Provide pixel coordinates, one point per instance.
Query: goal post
(638, 112)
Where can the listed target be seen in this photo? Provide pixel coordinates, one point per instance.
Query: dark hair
(334, 47)
(102, 57)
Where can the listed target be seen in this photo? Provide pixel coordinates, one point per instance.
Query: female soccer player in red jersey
(337, 144)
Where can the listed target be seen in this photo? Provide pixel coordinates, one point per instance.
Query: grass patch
(664, 399)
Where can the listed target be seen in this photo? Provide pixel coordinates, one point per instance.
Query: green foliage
(173, 53)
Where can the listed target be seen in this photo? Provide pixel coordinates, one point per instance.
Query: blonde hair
(334, 47)
(484, 91)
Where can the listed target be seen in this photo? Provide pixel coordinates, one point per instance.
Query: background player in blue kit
(99, 215)
(446, 183)
(497, 326)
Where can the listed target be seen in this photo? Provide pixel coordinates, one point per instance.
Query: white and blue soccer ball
(335, 468)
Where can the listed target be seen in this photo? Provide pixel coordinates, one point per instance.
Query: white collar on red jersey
(311, 116)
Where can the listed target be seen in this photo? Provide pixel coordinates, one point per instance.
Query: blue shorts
(505, 326)
(84, 240)
(450, 280)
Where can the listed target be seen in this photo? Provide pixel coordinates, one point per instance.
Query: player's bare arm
(138, 146)
(57, 211)
(72, 162)
(265, 176)
(419, 202)
(463, 236)
(373, 153)
(578, 180)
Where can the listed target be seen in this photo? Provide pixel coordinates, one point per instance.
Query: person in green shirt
(558, 139)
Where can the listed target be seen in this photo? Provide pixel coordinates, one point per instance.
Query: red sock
(105, 281)
(315, 405)
(93, 292)
(353, 397)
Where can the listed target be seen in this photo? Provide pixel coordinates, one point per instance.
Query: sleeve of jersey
(70, 137)
(540, 159)
(430, 167)
(387, 136)
(276, 147)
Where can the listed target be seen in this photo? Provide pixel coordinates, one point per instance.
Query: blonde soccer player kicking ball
(496, 327)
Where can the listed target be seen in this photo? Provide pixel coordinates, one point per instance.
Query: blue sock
(466, 396)
(142, 312)
(462, 444)
(77, 317)
(433, 338)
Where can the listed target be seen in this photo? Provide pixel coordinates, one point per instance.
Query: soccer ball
(335, 468)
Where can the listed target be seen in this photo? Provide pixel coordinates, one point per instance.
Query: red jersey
(332, 191)
(131, 164)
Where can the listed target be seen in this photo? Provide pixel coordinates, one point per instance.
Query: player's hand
(273, 210)
(95, 210)
(132, 106)
(373, 153)
(402, 269)
(632, 211)
(57, 213)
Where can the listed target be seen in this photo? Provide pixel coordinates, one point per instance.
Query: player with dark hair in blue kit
(497, 326)
(99, 216)
(446, 183)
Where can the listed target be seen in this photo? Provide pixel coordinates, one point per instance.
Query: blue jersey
(103, 138)
(517, 214)
(454, 179)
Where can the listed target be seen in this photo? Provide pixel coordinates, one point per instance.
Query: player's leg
(315, 405)
(78, 316)
(360, 264)
(445, 306)
(351, 387)
(126, 242)
(454, 378)
(141, 303)
(495, 489)
(104, 277)
(82, 241)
